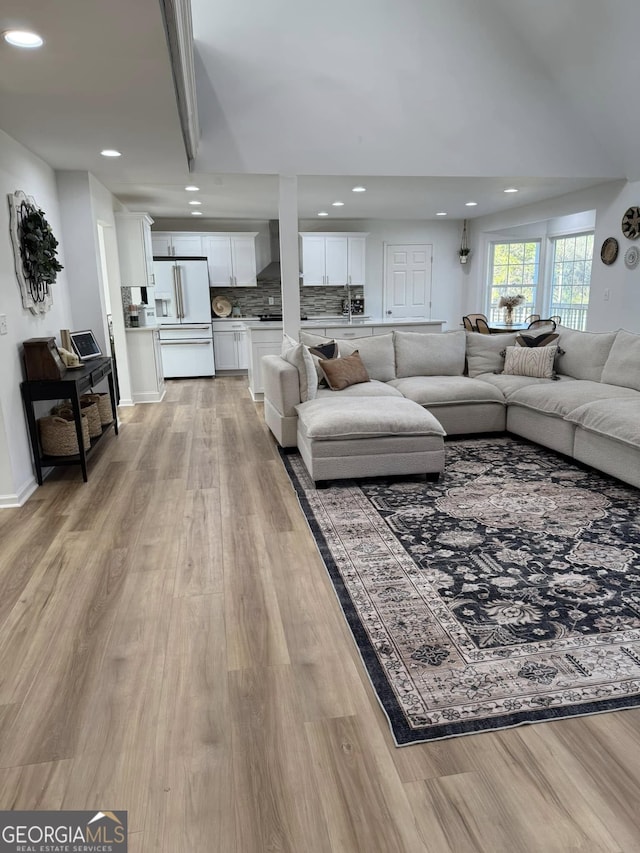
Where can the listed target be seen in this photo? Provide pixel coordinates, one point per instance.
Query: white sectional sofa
(590, 412)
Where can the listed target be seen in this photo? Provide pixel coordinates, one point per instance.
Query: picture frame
(85, 345)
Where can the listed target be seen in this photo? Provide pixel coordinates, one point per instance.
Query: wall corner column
(289, 256)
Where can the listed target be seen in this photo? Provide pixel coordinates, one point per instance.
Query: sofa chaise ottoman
(363, 437)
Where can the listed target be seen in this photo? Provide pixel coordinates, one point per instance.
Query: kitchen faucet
(347, 288)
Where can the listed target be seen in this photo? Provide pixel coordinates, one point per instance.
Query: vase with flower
(509, 303)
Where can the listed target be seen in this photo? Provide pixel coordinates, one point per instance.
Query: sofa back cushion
(485, 352)
(584, 353)
(420, 354)
(377, 354)
(622, 367)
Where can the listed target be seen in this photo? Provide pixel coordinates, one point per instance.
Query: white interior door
(407, 286)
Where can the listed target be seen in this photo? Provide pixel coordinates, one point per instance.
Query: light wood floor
(171, 645)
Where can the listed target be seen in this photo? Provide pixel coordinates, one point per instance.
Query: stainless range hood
(271, 273)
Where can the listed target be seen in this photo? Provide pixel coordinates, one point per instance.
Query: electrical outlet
(3, 324)
(271, 300)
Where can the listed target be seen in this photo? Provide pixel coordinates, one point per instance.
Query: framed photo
(85, 344)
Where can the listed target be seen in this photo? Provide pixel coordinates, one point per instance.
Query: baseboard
(148, 397)
(21, 496)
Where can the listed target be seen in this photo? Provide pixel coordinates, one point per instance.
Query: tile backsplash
(253, 301)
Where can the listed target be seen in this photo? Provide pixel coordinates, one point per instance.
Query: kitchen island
(265, 337)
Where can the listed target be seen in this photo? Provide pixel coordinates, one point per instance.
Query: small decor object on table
(35, 252)
(509, 303)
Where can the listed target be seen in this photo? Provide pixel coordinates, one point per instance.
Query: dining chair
(557, 319)
(473, 319)
(540, 324)
(468, 325)
(482, 326)
(531, 318)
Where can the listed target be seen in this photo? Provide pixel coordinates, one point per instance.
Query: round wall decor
(631, 223)
(609, 251)
(631, 257)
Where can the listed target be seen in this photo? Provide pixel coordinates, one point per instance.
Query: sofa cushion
(376, 351)
(342, 372)
(377, 354)
(560, 398)
(299, 356)
(447, 390)
(617, 418)
(530, 361)
(420, 354)
(509, 384)
(541, 340)
(373, 388)
(622, 367)
(485, 352)
(362, 418)
(585, 353)
(318, 351)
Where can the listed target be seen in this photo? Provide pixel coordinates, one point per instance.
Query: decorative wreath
(35, 252)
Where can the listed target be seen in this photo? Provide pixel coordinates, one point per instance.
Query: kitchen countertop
(141, 328)
(339, 321)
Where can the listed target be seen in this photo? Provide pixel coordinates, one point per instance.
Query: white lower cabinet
(145, 365)
(231, 345)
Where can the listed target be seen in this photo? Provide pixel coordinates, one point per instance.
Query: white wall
(448, 281)
(21, 170)
(609, 201)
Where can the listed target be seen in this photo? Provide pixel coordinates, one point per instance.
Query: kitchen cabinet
(232, 259)
(333, 259)
(177, 244)
(135, 249)
(230, 345)
(145, 365)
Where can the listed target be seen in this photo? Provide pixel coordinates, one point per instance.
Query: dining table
(505, 328)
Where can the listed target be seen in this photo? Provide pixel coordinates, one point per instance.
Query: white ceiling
(427, 103)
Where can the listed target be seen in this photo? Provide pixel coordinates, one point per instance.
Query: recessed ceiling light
(110, 152)
(471, 204)
(441, 213)
(192, 189)
(195, 202)
(510, 190)
(22, 38)
(337, 204)
(359, 190)
(196, 213)
(323, 213)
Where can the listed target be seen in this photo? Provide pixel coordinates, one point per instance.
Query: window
(554, 277)
(571, 279)
(513, 269)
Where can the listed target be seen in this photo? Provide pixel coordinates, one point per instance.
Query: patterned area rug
(507, 593)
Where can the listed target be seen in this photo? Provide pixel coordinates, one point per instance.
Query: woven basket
(103, 402)
(58, 435)
(89, 409)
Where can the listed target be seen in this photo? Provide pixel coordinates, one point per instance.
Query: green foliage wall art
(35, 252)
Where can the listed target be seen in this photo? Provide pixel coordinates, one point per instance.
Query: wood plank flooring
(170, 644)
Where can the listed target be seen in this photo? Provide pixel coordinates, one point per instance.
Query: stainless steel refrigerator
(183, 311)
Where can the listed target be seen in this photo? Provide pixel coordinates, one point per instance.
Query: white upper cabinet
(177, 244)
(333, 259)
(232, 259)
(135, 249)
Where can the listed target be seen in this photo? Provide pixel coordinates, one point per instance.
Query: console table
(74, 383)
